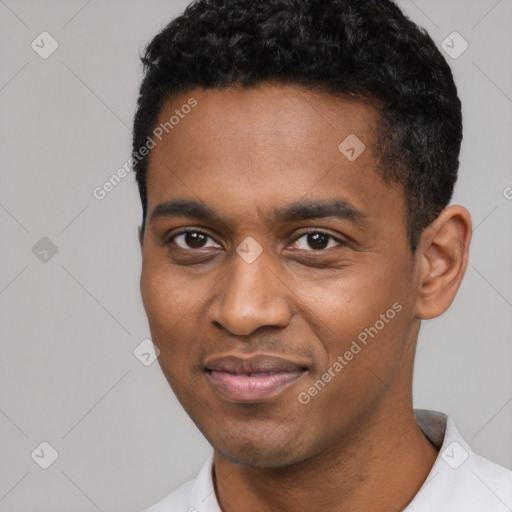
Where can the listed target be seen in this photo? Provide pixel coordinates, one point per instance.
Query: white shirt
(459, 481)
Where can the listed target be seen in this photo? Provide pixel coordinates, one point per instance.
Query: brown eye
(316, 240)
(191, 240)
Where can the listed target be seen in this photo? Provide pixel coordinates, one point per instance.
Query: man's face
(252, 281)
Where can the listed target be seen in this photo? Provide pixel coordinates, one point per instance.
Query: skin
(356, 445)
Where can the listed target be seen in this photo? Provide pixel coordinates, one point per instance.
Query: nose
(252, 295)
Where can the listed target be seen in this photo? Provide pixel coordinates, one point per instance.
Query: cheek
(167, 298)
(171, 302)
(355, 299)
(361, 318)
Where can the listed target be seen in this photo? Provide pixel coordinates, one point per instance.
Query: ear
(442, 254)
(141, 237)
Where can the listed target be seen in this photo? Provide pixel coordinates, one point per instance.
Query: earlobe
(443, 258)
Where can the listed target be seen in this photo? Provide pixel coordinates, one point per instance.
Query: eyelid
(170, 238)
(340, 241)
(309, 231)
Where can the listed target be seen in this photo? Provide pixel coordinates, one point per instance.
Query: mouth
(255, 379)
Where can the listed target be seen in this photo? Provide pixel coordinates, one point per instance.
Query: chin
(260, 461)
(259, 452)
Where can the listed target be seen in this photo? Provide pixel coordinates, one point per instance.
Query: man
(295, 161)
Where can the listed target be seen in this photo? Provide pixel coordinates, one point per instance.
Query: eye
(191, 239)
(317, 240)
(310, 241)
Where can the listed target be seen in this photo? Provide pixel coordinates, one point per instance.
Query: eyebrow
(319, 209)
(306, 210)
(183, 208)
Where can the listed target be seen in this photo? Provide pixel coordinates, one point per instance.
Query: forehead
(265, 146)
(279, 117)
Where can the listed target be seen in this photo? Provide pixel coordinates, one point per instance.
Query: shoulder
(460, 479)
(497, 479)
(178, 500)
(477, 485)
(196, 495)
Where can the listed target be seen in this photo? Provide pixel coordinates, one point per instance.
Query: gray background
(70, 325)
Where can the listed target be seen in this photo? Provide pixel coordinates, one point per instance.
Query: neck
(380, 467)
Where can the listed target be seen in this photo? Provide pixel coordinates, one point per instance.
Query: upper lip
(255, 364)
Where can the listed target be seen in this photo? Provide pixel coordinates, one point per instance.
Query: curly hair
(366, 49)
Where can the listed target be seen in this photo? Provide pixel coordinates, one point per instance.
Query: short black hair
(366, 49)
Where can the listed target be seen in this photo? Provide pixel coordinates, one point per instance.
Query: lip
(252, 379)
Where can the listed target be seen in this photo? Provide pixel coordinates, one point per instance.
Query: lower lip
(252, 388)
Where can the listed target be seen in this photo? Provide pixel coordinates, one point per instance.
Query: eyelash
(170, 240)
